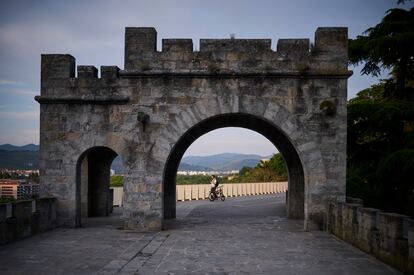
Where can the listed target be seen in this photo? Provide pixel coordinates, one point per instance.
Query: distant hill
(25, 160)
(26, 157)
(239, 164)
(28, 147)
(188, 167)
(224, 162)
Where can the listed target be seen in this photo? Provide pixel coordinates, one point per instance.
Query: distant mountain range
(19, 157)
(26, 157)
(188, 167)
(219, 162)
(28, 147)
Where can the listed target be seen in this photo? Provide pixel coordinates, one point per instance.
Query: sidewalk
(245, 235)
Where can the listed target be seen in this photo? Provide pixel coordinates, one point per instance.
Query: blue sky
(92, 31)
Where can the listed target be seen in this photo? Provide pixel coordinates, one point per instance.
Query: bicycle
(218, 194)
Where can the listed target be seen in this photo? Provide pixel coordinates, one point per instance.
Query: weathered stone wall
(387, 236)
(298, 92)
(22, 219)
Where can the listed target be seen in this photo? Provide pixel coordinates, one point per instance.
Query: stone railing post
(350, 221)
(367, 237)
(393, 248)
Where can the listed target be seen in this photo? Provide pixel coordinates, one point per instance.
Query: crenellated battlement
(328, 56)
(235, 45)
(225, 58)
(236, 55)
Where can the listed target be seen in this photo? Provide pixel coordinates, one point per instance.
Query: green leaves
(116, 181)
(388, 45)
(380, 150)
(277, 165)
(397, 184)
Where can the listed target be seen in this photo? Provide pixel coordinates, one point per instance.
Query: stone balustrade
(117, 196)
(387, 236)
(201, 191)
(22, 219)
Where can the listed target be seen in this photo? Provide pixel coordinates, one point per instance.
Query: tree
(388, 45)
(377, 128)
(396, 174)
(34, 177)
(380, 147)
(116, 181)
(245, 171)
(5, 175)
(277, 164)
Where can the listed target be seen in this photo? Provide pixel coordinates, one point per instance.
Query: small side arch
(93, 198)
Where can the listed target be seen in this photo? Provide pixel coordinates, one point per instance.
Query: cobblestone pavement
(249, 235)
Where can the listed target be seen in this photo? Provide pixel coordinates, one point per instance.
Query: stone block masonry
(152, 110)
(387, 236)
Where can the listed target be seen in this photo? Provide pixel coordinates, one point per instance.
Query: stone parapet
(87, 72)
(328, 54)
(26, 218)
(387, 236)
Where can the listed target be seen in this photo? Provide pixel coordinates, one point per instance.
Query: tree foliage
(268, 171)
(265, 171)
(116, 181)
(388, 45)
(397, 182)
(278, 166)
(193, 179)
(380, 148)
(377, 129)
(6, 200)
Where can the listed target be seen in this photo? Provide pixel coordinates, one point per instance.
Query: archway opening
(94, 197)
(296, 183)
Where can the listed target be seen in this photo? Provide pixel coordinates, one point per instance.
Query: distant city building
(205, 173)
(18, 172)
(8, 188)
(18, 189)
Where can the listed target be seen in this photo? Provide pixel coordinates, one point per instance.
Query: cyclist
(213, 185)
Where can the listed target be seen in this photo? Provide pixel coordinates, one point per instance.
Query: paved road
(248, 235)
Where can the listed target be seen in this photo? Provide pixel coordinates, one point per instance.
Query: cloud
(20, 115)
(22, 39)
(9, 82)
(18, 91)
(12, 87)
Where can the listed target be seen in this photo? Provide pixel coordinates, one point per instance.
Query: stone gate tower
(152, 110)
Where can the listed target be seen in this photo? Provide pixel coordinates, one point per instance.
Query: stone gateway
(150, 112)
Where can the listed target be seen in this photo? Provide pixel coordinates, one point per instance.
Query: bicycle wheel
(222, 197)
(211, 196)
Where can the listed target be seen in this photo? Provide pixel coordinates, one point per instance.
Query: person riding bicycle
(216, 191)
(213, 185)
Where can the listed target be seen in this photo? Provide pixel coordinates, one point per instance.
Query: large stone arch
(162, 100)
(273, 121)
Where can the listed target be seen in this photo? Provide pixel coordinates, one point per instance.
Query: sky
(93, 32)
